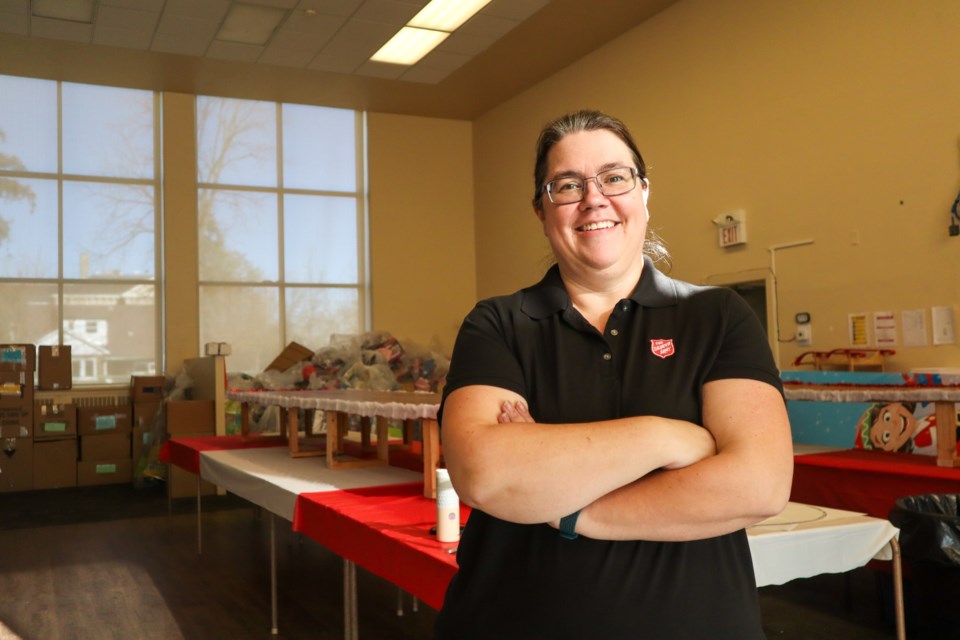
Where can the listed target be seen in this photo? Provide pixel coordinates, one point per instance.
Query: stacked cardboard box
(17, 366)
(188, 419)
(105, 454)
(146, 394)
(54, 367)
(54, 445)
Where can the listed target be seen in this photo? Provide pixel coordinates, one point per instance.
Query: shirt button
(607, 356)
(614, 332)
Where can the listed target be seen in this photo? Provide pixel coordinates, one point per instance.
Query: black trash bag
(929, 528)
(930, 544)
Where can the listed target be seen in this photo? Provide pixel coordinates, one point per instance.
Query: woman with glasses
(614, 430)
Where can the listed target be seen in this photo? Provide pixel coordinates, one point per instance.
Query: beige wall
(835, 122)
(422, 258)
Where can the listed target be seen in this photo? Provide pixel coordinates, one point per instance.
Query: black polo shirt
(658, 349)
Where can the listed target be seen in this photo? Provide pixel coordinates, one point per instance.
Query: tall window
(282, 226)
(79, 190)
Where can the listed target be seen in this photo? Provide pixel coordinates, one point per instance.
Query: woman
(614, 429)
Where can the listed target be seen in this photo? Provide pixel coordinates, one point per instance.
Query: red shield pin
(662, 348)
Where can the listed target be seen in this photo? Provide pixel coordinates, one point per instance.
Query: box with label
(16, 421)
(18, 357)
(16, 464)
(55, 464)
(16, 388)
(53, 421)
(104, 472)
(196, 417)
(146, 388)
(105, 447)
(103, 419)
(54, 367)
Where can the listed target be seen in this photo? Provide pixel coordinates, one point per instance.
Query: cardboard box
(105, 447)
(195, 417)
(145, 413)
(55, 367)
(16, 421)
(16, 388)
(146, 388)
(18, 357)
(103, 419)
(140, 443)
(90, 474)
(54, 421)
(16, 464)
(183, 484)
(55, 464)
(291, 355)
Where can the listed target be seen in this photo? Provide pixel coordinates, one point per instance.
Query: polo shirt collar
(549, 296)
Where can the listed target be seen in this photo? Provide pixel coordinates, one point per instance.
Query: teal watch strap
(568, 525)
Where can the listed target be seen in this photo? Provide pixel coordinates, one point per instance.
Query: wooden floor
(141, 578)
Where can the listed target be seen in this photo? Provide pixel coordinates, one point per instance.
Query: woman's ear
(538, 211)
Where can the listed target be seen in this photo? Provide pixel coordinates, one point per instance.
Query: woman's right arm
(529, 472)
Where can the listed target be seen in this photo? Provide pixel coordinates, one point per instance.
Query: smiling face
(600, 235)
(892, 428)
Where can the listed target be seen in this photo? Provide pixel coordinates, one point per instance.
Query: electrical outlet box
(804, 335)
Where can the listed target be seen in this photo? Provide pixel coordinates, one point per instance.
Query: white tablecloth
(271, 479)
(400, 405)
(806, 540)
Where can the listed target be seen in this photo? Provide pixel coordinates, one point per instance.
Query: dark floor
(110, 562)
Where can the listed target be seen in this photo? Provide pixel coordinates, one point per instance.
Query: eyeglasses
(612, 182)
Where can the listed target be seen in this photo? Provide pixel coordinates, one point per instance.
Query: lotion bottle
(448, 509)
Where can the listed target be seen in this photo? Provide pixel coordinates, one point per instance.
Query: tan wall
(422, 258)
(829, 121)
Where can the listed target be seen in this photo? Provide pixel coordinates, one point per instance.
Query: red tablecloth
(185, 452)
(385, 530)
(868, 481)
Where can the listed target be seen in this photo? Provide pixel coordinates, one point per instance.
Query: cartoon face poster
(905, 427)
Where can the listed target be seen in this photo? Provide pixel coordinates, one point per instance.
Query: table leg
(333, 432)
(431, 457)
(350, 625)
(383, 440)
(199, 531)
(273, 577)
(898, 589)
(946, 433)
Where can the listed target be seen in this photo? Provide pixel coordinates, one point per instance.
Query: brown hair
(588, 120)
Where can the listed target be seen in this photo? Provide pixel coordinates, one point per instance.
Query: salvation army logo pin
(662, 348)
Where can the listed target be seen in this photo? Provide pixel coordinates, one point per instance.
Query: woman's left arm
(746, 481)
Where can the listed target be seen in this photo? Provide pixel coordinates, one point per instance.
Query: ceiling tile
(60, 29)
(488, 26)
(120, 38)
(278, 4)
(285, 39)
(15, 6)
(514, 9)
(140, 5)
(381, 70)
(425, 75)
(133, 20)
(17, 24)
(442, 60)
(234, 51)
(389, 11)
(187, 28)
(331, 7)
(321, 23)
(204, 9)
(466, 44)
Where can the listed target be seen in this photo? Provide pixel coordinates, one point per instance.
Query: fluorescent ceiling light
(446, 15)
(248, 24)
(73, 10)
(408, 45)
